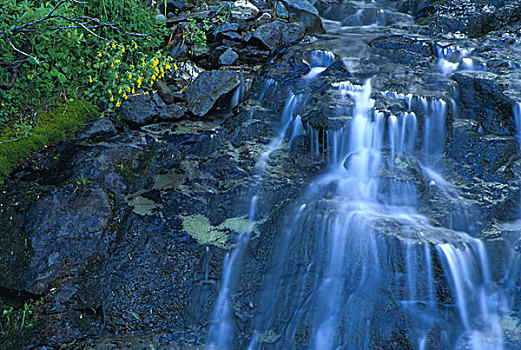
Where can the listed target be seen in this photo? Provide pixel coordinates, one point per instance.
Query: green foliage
(49, 128)
(14, 322)
(196, 33)
(61, 40)
(122, 71)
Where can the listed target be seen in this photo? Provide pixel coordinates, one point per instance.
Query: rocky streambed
(121, 232)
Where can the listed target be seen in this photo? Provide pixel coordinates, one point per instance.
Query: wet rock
(263, 19)
(224, 168)
(276, 35)
(200, 101)
(481, 99)
(483, 156)
(99, 128)
(228, 57)
(66, 230)
(138, 110)
(306, 14)
(405, 50)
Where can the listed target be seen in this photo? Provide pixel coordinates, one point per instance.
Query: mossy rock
(50, 128)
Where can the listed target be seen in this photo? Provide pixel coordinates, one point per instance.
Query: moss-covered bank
(50, 128)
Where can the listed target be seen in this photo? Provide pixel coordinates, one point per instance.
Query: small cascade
(319, 62)
(220, 334)
(221, 331)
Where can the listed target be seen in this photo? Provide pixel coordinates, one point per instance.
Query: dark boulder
(276, 35)
(66, 230)
(138, 110)
(304, 12)
(209, 86)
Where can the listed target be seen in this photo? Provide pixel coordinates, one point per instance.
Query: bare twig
(23, 53)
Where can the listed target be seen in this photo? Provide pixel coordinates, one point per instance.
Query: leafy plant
(14, 321)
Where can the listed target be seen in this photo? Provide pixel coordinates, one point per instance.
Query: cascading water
(358, 259)
(220, 334)
(333, 272)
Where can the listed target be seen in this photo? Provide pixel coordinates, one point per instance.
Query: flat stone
(305, 13)
(228, 57)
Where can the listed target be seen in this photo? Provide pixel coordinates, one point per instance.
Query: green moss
(50, 128)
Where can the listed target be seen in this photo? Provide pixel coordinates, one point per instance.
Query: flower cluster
(123, 71)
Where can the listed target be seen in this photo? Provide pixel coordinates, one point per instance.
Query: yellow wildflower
(113, 45)
(90, 80)
(120, 91)
(123, 49)
(107, 43)
(133, 91)
(168, 66)
(99, 54)
(111, 99)
(162, 70)
(110, 92)
(128, 88)
(175, 66)
(157, 70)
(130, 75)
(144, 64)
(116, 75)
(135, 46)
(154, 77)
(126, 97)
(118, 104)
(112, 65)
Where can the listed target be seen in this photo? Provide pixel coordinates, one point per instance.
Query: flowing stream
(357, 259)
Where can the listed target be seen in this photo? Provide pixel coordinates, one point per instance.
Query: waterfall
(220, 333)
(333, 272)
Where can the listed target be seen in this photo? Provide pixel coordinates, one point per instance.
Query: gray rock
(226, 27)
(209, 86)
(138, 109)
(304, 12)
(228, 57)
(164, 92)
(276, 35)
(66, 230)
(172, 112)
(99, 128)
(232, 35)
